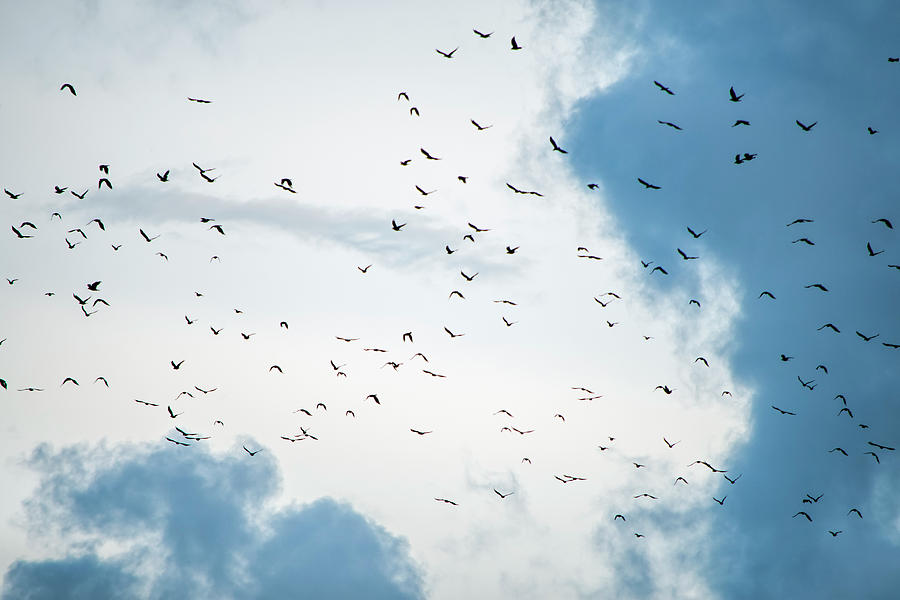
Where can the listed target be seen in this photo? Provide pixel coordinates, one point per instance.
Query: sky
(487, 453)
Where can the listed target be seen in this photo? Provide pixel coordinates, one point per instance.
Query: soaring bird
(741, 122)
(685, 256)
(695, 234)
(805, 127)
(734, 97)
(396, 227)
(480, 127)
(797, 221)
(886, 222)
(648, 186)
(251, 453)
(446, 501)
(483, 36)
(830, 326)
(663, 88)
(784, 412)
(867, 338)
(556, 147)
(808, 518)
(872, 252)
(164, 177)
(68, 86)
(200, 100)
(146, 237)
(446, 54)
(816, 285)
(514, 45)
(12, 195)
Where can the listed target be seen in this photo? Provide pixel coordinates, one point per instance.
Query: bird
(433, 374)
(215, 331)
(806, 241)
(855, 510)
(800, 512)
(510, 250)
(396, 227)
(830, 326)
(805, 127)
(701, 359)
(145, 403)
(94, 286)
(102, 181)
(663, 88)
(469, 277)
(887, 223)
(147, 238)
(373, 397)
(364, 270)
(343, 339)
(836, 449)
(734, 97)
(593, 186)
(784, 412)
(19, 234)
(815, 498)
(164, 177)
(670, 444)
(695, 234)
(664, 388)
(660, 269)
(670, 124)
(446, 501)
(685, 256)
(205, 391)
(172, 414)
(871, 131)
(646, 495)
(514, 45)
(175, 365)
(68, 86)
(881, 447)
(721, 502)
(67, 379)
(12, 195)
(732, 481)
(706, 464)
(413, 110)
(59, 190)
(200, 100)
(103, 379)
(479, 127)
(872, 252)
(786, 358)
(251, 453)
(218, 228)
(403, 95)
(518, 191)
(77, 195)
(875, 456)
(285, 186)
(816, 285)
(276, 368)
(556, 147)
(508, 323)
(648, 186)
(741, 122)
(446, 54)
(477, 229)
(449, 250)
(177, 442)
(867, 338)
(483, 36)
(798, 221)
(419, 432)
(834, 533)
(823, 368)
(246, 336)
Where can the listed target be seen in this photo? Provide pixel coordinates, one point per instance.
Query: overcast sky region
(529, 299)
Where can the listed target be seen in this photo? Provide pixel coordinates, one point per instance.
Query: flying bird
(68, 86)
(446, 54)
(663, 88)
(695, 234)
(556, 147)
(741, 122)
(648, 186)
(670, 124)
(200, 100)
(784, 412)
(872, 252)
(146, 237)
(396, 227)
(483, 36)
(805, 127)
(734, 97)
(514, 45)
(164, 177)
(251, 453)
(808, 518)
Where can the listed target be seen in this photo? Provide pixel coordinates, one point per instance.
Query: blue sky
(106, 503)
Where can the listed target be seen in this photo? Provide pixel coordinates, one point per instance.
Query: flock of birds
(89, 302)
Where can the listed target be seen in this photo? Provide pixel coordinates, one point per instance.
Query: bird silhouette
(514, 45)
(663, 88)
(805, 127)
(556, 147)
(68, 86)
(648, 186)
(446, 54)
(734, 97)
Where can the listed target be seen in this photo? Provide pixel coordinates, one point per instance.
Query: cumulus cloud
(136, 521)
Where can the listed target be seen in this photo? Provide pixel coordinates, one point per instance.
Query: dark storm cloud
(193, 525)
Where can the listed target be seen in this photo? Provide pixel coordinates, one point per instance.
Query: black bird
(767, 293)
(483, 36)
(94, 286)
(701, 359)
(218, 228)
(177, 442)
(146, 237)
(741, 122)
(200, 100)
(176, 366)
(396, 227)
(721, 502)
(11, 195)
(449, 250)
(68, 86)
(829, 326)
(805, 127)
(808, 518)
(453, 335)
(670, 124)
(695, 234)
(670, 444)
(479, 127)
(77, 195)
(59, 190)
(403, 95)
(685, 256)
(886, 222)
(816, 285)
(514, 45)
(411, 111)
(164, 177)
(446, 501)
(660, 269)
(556, 146)
(836, 449)
(664, 388)
(518, 191)
(834, 533)
(786, 358)
(364, 270)
(806, 241)
(871, 252)
(880, 447)
(253, 453)
(867, 337)
(172, 414)
(427, 155)
(872, 131)
(102, 181)
(648, 186)
(796, 221)
(423, 192)
(734, 97)
(875, 456)
(19, 234)
(822, 367)
(447, 54)
(419, 432)
(784, 412)
(664, 88)
(855, 510)
(732, 481)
